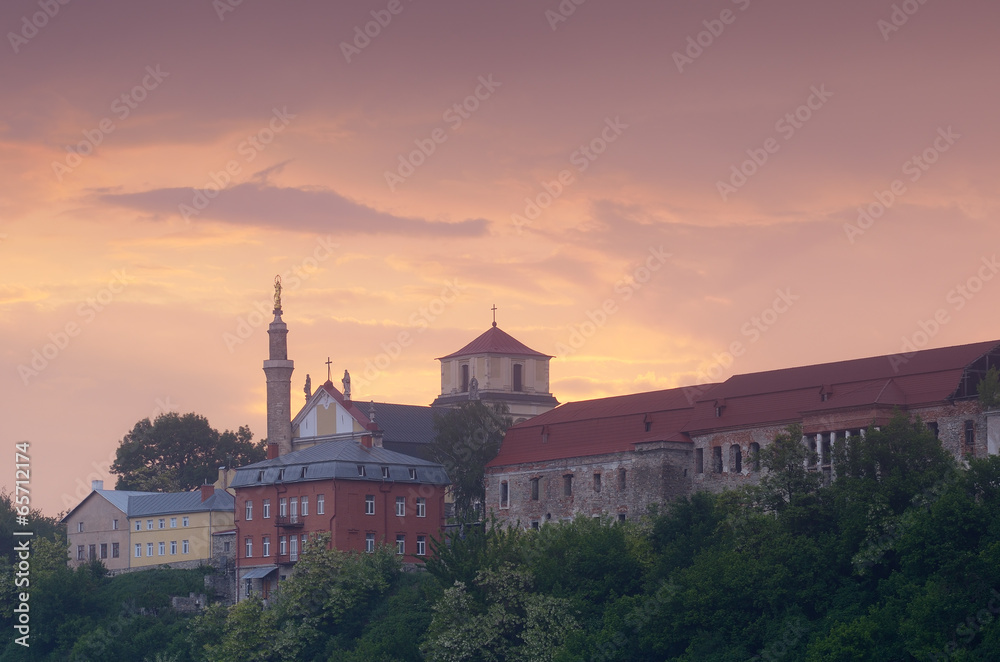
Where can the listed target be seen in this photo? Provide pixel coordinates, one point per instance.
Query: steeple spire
(494, 309)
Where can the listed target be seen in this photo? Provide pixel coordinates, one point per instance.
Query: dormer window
(281, 474)
(260, 476)
(413, 473)
(385, 472)
(361, 470)
(303, 474)
(718, 411)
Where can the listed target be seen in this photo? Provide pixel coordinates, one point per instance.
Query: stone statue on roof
(347, 385)
(277, 294)
(473, 388)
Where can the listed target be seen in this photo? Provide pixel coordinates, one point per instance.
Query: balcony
(293, 522)
(285, 559)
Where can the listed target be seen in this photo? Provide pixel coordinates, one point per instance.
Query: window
(138, 550)
(302, 474)
(265, 546)
(621, 479)
(369, 504)
(79, 527)
(755, 456)
(79, 552)
(293, 509)
(260, 476)
(293, 552)
(104, 550)
(465, 378)
(400, 506)
(735, 458)
(812, 457)
(281, 474)
(138, 525)
(385, 472)
(400, 543)
(970, 436)
(534, 489)
(149, 549)
(361, 470)
(933, 426)
(621, 517)
(305, 506)
(597, 482)
(534, 524)
(369, 542)
(421, 545)
(249, 515)
(282, 545)
(185, 547)
(320, 505)
(248, 541)
(225, 547)
(305, 537)
(115, 550)
(717, 459)
(114, 525)
(173, 547)
(265, 509)
(92, 552)
(173, 522)
(162, 549)
(504, 495)
(412, 472)
(282, 507)
(184, 521)
(649, 425)
(149, 525)
(421, 507)
(699, 460)
(825, 454)
(161, 523)
(518, 384)
(568, 485)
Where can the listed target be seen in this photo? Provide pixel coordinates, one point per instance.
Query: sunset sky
(637, 186)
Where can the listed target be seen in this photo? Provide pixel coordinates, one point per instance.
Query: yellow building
(133, 530)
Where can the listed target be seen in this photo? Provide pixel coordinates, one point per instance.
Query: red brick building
(363, 495)
(619, 455)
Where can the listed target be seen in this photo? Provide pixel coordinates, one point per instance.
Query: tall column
(278, 371)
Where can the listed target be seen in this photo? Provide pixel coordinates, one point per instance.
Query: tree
(989, 389)
(787, 478)
(467, 439)
(178, 453)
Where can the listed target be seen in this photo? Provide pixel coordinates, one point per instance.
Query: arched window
(735, 459)
(755, 456)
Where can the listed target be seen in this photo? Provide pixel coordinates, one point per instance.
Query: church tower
(278, 370)
(496, 367)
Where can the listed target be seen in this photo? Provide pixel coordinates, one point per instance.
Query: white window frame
(320, 504)
(249, 510)
(369, 504)
(265, 509)
(421, 546)
(421, 507)
(401, 506)
(369, 542)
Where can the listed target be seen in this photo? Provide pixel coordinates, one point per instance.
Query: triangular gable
(326, 413)
(87, 498)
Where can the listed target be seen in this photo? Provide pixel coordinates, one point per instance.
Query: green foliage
(787, 481)
(178, 453)
(989, 389)
(512, 622)
(467, 438)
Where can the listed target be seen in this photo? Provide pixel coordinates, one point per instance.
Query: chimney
(206, 492)
(97, 485)
(272, 451)
(366, 441)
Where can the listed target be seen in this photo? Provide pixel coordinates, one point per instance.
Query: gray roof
(143, 504)
(412, 424)
(340, 460)
(167, 503)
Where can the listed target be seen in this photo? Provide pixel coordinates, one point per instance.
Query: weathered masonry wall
(622, 485)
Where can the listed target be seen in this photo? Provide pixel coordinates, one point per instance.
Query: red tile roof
(594, 427)
(860, 391)
(496, 341)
